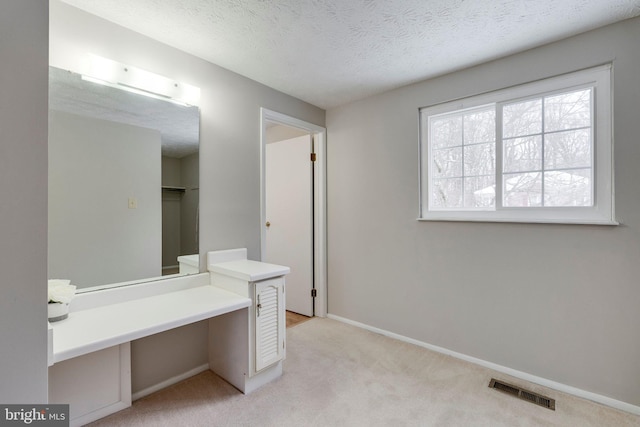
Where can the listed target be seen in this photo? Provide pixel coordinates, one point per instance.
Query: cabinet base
(265, 376)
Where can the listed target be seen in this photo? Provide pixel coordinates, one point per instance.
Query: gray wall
(189, 209)
(180, 210)
(564, 305)
(279, 133)
(23, 209)
(229, 143)
(171, 174)
(95, 166)
(171, 202)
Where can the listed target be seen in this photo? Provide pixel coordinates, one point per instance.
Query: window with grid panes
(540, 152)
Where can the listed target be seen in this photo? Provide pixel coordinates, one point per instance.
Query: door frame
(319, 199)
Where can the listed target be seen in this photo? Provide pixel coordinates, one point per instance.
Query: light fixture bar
(111, 73)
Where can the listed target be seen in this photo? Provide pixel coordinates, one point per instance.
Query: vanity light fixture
(115, 74)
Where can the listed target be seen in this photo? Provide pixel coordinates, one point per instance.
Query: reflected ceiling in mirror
(123, 184)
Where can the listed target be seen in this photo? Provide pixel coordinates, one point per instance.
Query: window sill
(523, 220)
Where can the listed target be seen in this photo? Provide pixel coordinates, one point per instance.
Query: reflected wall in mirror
(123, 184)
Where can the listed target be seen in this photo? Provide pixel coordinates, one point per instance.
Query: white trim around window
(455, 153)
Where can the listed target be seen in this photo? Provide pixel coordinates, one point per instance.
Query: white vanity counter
(90, 351)
(94, 329)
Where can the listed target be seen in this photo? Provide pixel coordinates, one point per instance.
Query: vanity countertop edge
(97, 328)
(249, 270)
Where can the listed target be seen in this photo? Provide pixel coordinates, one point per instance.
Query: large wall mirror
(123, 184)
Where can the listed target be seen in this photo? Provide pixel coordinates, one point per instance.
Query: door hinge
(313, 157)
(313, 293)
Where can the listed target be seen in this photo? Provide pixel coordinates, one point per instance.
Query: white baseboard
(166, 383)
(598, 398)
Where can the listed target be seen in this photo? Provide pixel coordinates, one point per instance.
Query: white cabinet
(264, 346)
(269, 322)
(266, 317)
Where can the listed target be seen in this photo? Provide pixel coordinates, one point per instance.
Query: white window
(540, 152)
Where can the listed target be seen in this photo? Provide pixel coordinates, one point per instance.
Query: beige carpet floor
(339, 375)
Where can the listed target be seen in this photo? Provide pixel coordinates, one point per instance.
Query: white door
(289, 227)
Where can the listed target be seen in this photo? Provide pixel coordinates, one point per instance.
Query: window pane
(447, 163)
(522, 154)
(567, 111)
(446, 131)
(480, 159)
(447, 193)
(570, 149)
(521, 190)
(567, 188)
(479, 192)
(523, 118)
(480, 126)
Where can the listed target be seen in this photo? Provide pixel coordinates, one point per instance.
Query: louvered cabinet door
(269, 326)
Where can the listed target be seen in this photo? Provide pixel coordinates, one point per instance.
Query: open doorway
(293, 219)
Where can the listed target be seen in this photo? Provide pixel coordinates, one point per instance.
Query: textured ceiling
(178, 126)
(331, 52)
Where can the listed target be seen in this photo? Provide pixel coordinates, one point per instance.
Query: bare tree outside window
(463, 158)
(548, 141)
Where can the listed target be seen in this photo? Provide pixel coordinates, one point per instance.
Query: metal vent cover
(523, 394)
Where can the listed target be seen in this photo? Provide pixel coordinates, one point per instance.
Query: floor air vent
(527, 395)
